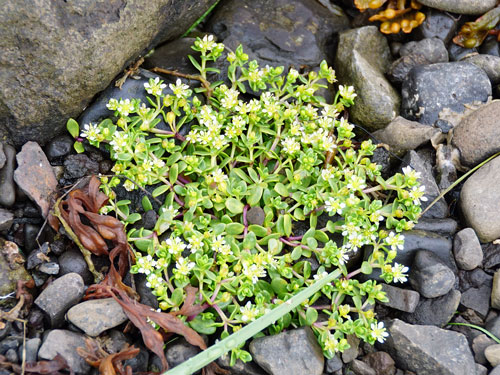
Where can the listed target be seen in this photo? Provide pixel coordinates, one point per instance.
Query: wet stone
(59, 296)
(180, 351)
(7, 187)
(59, 147)
(437, 24)
(295, 352)
(72, 261)
(457, 53)
(30, 233)
(34, 175)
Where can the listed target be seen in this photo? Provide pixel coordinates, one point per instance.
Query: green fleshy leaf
(73, 128)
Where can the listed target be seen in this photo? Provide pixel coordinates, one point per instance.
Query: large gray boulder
(56, 55)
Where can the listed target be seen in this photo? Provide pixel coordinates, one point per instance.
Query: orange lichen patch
(363, 5)
(398, 15)
(472, 34)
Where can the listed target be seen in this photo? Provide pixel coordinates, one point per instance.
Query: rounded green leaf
(78, 146)
(234, 206)
(73, 128)
(259, 230)
(234, 228)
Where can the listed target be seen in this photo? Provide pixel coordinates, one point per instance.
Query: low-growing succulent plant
(263, 157)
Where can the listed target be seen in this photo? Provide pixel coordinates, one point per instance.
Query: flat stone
(474, 7)
(430, 276)
(400, 299)
(428, 89)
(479, 344)
(6, 220)
(295, 352)
(420, 165)
(489, 63)
(480, 201)
(477, 299)
(363, 57)
(493, 325)
(64, 342)
(7, 187)
(96, 316)
(34, 176)
(3, 158)
(77, 166)
(362, 368)
(428, 350)
(402, 135)
(433, 49)
(477, 136)
(495, 291)
(334, 364)
(59, 296)
(435, 311)
(381, 362)
(437, 25)
(442, 226)
(492, 354)
(467, 249)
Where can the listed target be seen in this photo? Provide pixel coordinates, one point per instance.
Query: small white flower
(399, 272)
(334, 206)
(379, 332)
(175, 246)
(253, 272)
(124, 107)
(91, 131)
(248, 312)
(155, 86)
(195, 243)
(119, 141)
(395, 241)
(290, 146)
(180, 90)
(183, 266)
(417, 194)
(347, 92)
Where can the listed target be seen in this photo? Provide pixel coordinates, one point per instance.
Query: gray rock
(11, 356)
(477, 136)
(49, 268)
(352, 352)
(428, 350)
(363, 57)
(63, 342)
(35, 176)
(481, 370)
(495, 371)
(3, 158)
(92, 34)
(492, 354)
(479, 344)
(11, 269)
(59, 296)
(400, 299)
(80, 165)
(7, 187)
(442, 226)
(381, 362)
(457, 53)
(429, 89)
(279, 38)
(140, 362)
(433, 49)
(6, 220)
(437, 24)
(490, 46)
(333, 364)
(403, 135)
(430, 276)
(59, 147)
(240, 367)
(474, 7)
(467, 249)
(489, 63)
(72, 261)
(361, 368)
(256, 215)
(440, 209)
(180, 351)
(32, 346)
(493, 325)
(96, 316)
(477, 299)
(173, 56)
(478, 201)
(495, 291)
(293, 352)
(435, 311)
(401, 67)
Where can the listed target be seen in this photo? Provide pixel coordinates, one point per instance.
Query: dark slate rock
(32, 346)
(457, 53)
(30, 233)
(96, 316)
(68, 66)
(401, 299)
(430, 276)
(11, 342)
(477, 299)
(363, 57)
(490, 64)
(174, 56)
(240, 367)
(490, 46)
(401, 67)
(334, 364)
(59, 147)
(59, 296)
(6, 220)
(34, 176)
(435, 311)
(11, 356)
(428, 350)
(180, 351)
(64, 342)
(294, 352)
(467, 249)
(147, 296)
(437, 24)
(429, 89)
(38, 256)
(72, 261)
(7, 187)
(80, 165)
(442, 226)
(474, 279)
(491, 253)
(140, 362)
(433, 49)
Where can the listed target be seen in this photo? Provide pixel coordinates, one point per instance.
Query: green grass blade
(447, 190)
(485, 331)
(233, 341)
(196, 23)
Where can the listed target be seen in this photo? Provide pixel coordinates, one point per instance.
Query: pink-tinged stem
(296, 238)
(353, 273)
(184, 180)
(292, 244)
(245, 221)
(178, 200)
